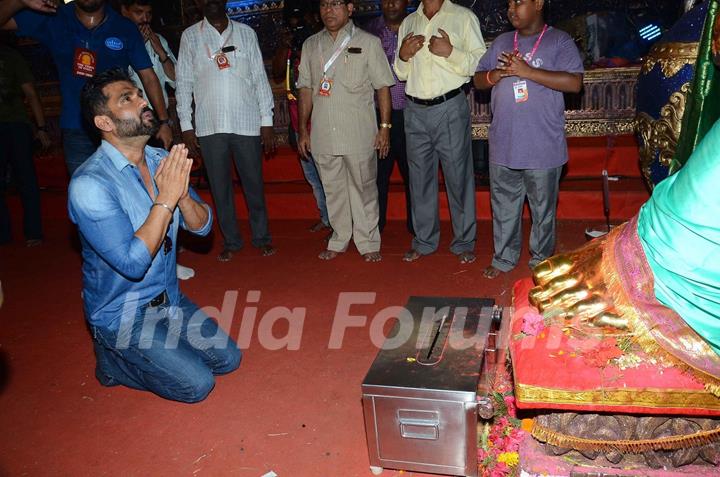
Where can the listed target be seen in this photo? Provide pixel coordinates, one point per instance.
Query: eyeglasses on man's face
(333, 4)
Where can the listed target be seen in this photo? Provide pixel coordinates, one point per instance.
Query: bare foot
(33, 242)
(268, 250)
(225, 256)
(328, 255)
(372, 257)
(318, 227)
(491, 272)
(466, 257)
(411, 255)
(573, 285)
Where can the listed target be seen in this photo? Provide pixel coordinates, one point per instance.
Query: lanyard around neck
(207, 48)
(516, 46)
(337, 51)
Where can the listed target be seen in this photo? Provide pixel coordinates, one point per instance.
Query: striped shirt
(157, 68)
(344, 122)
(233, 100)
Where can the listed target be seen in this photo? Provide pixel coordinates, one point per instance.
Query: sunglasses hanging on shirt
(167, 244)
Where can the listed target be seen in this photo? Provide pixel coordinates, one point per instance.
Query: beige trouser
(351, 194)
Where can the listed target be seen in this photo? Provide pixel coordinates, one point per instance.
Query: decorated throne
(614, 346)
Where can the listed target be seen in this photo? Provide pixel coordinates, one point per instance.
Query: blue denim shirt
(109, 203)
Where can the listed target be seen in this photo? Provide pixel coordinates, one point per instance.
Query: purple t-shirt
(530, 134)
(389, 42)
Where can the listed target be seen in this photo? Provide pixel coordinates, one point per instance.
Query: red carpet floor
(295, 412)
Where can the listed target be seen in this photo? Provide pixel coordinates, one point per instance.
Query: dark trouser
(174, 352)
(247, 153)
(385, 168)
(16, 143)
(441, 132)
(77, 147)
(508, 189)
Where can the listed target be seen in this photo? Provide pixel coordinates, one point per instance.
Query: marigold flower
(527, 425)
(510, 458)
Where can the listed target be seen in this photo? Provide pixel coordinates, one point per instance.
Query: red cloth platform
(559, 368)
(289, 197)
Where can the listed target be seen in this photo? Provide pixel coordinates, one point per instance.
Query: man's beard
(136, 128)
(90, 6)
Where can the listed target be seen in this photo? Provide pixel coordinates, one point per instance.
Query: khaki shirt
(427, 75)
(344, 122)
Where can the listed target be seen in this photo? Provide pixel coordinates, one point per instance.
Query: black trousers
(16, 149)
(218, 151)
(385, 167)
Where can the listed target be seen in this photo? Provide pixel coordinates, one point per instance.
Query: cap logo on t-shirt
(533, 61)
(114, 43)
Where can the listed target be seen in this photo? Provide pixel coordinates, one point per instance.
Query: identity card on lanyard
(220, 56)
(325, 82)
(84, 62)
(520, 87)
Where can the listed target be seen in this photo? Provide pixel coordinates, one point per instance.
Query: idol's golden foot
(571, 286)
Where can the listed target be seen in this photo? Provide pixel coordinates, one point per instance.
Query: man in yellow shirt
(441, 47)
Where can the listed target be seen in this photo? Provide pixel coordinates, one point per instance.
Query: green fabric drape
(703, 106)
(679, 227)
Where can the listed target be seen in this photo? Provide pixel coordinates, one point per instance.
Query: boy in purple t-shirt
(529, 70)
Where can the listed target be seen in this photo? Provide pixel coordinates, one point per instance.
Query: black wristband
(167, 58)
(163, 121)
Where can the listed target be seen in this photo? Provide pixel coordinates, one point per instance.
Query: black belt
(434, 101)
(161, 299)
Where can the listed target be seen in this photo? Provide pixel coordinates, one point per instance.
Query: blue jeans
(77, 147)
(313, 178)
(173, 352)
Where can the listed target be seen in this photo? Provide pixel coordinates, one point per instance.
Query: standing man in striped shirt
(221, 68)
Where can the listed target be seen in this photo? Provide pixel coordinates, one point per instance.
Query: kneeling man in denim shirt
(128, 201)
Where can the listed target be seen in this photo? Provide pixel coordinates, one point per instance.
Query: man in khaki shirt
(341, 68)
(441, 47)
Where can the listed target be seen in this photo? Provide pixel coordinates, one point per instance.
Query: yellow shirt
(427, 75)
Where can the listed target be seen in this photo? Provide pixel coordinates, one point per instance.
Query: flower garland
(500, 438)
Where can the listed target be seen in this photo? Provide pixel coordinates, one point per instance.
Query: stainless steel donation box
(420, 394)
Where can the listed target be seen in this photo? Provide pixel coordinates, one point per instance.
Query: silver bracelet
(161, 204)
